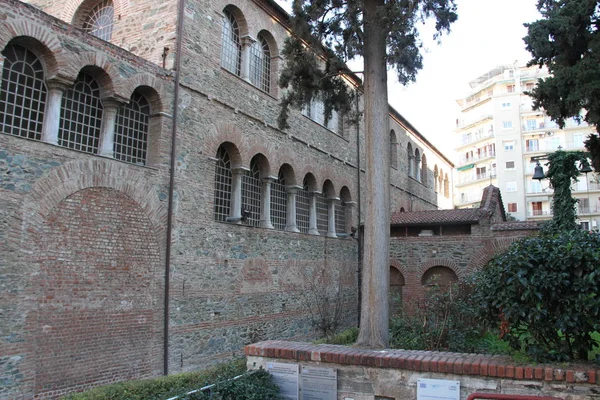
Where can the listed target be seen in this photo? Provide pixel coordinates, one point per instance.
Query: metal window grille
(100, 20)
(260, 64)
(322, 214)
(223, 178)
(131, 130)
(303, 209)
(22, 93)
(81, 115)
(340, 218)
(231, 55)
(316, 111)
(279, 203)
(251, 194)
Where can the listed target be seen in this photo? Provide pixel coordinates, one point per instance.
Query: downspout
(359, 231)
(177, 68)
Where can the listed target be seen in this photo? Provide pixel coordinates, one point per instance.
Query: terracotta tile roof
(462, 216)
(516, 226)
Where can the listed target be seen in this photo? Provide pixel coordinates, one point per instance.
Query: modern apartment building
(498, 132)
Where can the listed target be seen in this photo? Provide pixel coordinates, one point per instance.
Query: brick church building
(153, 217)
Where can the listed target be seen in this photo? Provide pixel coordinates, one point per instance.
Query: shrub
(543, 292)
(445, 320)
(346, 337)
(257, 386)
(179, 384)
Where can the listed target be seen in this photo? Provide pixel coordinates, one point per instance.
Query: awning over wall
(465, 167)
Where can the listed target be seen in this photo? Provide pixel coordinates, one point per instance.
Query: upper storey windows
(260, 64)
(96, 18)
(231, 54)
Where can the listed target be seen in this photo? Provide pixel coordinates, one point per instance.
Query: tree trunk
(375, 285)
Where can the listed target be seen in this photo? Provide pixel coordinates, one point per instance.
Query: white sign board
(286, 377)
(318, 383)
(438, 389)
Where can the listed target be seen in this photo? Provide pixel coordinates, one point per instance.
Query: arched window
(81, 115)
(342, 210)
(231, 53)
(279, 203)
(393, 150)
(417, 162)
(251, 192)
(396, 283)
(223, 178)
(99, 21)
(446, 186)
(323, 212)
(131, 130)
(424, 170)
(303, 208)
(22, 93)
(260, 64)
(435, 178)
(411, 159)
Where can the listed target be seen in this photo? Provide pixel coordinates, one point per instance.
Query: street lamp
(585, 168)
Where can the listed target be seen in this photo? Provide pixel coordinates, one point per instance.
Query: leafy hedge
(543, 292)
(249, 387)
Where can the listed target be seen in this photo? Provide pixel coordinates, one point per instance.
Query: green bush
(346, 337)
(445, 320)
(173, 385)
(257, 386)
(543, 293)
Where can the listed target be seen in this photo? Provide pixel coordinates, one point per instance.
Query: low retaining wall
(393, 374)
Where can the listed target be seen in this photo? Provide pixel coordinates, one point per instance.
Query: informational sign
(286, 377)
(438, 389)
(318, 383)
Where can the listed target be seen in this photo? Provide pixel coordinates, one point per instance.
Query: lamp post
(585, 168)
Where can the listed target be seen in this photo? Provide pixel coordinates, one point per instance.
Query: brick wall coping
(423, 361)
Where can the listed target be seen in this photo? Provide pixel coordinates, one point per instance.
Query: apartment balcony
(476, 138)
(588, 210)
(539, 213)
(469, 179)
(480, 157)
(540, 191)
(474, 121)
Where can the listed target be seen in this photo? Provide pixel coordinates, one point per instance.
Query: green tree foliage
(563, 170)
(567, 41)
(543, 293)
(384, 34)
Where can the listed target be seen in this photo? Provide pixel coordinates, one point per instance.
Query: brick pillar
(291, 225)
(265, 203)
(51, 122)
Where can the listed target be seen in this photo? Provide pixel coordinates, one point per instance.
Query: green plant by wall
(543, 294)
(445, 320)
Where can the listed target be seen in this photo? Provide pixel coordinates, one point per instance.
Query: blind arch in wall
(22, 93)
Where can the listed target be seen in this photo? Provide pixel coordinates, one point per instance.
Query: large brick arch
(96, 294)
(159, 102)
(487, 252)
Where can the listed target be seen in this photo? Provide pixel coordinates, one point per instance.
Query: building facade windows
(131, 130)
(279, 203)
(510, 165)
(506, 124)
(509, 145)
(81, 115)
(99, 21)
(260, 64)
(22, 93)
(223, 184)
(231, 52)
(512, 207)
(303, 208)
(251, 194)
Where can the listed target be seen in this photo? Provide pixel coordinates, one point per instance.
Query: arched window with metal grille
(279, 203)
(393, 150)
(340, 217)
(303, 208)
(251, 193)
(411, 160)
(131, 130)
(22, 93)
(231, 52)
(99, 21)
(223, 178)
(81, 115)
(322, 213)
(260, 64)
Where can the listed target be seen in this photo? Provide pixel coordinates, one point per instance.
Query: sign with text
(318, 383)
(286, 377)
(438, 389)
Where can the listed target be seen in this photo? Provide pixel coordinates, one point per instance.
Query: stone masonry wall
(393, 374)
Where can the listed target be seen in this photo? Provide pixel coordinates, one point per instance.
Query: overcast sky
(488, 33)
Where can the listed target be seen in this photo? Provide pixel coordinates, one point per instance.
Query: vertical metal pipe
(359, 231)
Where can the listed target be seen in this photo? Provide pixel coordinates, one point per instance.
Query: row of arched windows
(76, 117)
(252, 197)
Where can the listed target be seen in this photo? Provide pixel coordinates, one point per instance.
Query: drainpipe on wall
(177, 68)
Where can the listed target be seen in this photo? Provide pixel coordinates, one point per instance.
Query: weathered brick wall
(394, 374)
